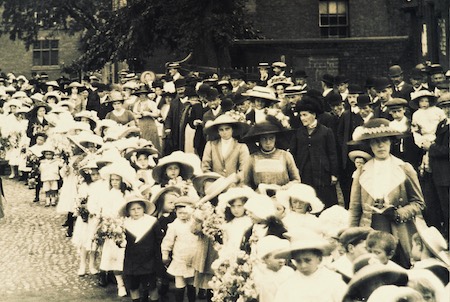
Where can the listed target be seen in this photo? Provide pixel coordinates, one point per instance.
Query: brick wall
(357, 57)
(14, 57)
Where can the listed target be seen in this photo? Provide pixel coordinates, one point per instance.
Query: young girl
(164, 201)
(181, 242)
(87, 221)
(359, 158)
(425, 121)
(175, 169)
(12, 129)
(232, 203)
(49, 170)
(302, 204)
(34, 154)
(142, 261)
(121, 177)
(142, 160)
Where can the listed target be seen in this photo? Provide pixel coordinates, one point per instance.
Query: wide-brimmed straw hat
(416, 96)
(393, 293)
(304, 239)
(122, 168)
(115, 96)
(199, 180)
(270, 244)
(91, 115)
(374, 128)
(334, 220)
(232, 194)
(142, 146)
(435, 242)
(32, 113)
(19, 95)
(12, 102)
(155, 197)
(262, 206)
(302, 192)
(149, 207)
(105, 123)
(53, 94)
(260, 92)
(358, 153)
(177, 157)
(83, 138)
(285, 82)
(240, 127)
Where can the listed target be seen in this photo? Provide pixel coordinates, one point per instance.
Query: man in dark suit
(440, 164)
(384, 93)
(327, 83)
(401, 89)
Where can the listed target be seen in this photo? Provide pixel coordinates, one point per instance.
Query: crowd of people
(182, 184)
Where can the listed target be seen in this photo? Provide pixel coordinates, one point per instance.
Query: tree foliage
(135, 31)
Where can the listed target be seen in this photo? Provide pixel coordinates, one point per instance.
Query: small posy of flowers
(110, 228)
(279, 115)
(212, 224)
(233, 280)
(82, 210)
(182, 184)
(238, 116)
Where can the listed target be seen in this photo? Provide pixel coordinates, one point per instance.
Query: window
(333, 18)
(45, 53)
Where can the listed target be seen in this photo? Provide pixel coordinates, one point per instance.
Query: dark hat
(239, 99)
(370, 82)
(158, 84)
(212, 94)
(340, 79)
(416, 96)
(374, 128)
(252, 77)
(363, 100)
(396, 103)
(190, 92)
(354, 89)
(382, 83)
(236, 74)
(314, 93)
(309, 104)
(328, 79)
(32, 113)
(353, 235)
(203, 89)
(416, 74)
(142, 90)
(445, 85)
(270, 126)
(435, 69)
(334, 99)
(444, 100)
(300, 74)
(180, 83)
(395, 71)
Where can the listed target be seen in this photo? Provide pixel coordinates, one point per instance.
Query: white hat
(279, 64)
(270, 244)
(261, 92)
(435, 242)
(122, 168)
(19, 95)
(12, 102)
(74, 125)
(393, 293)
(54, 94)
(302, 192)
(333, 220)
(149, 206)
(261, 206)
(304, 239)
(52, 83)
(177, 157)
(232, 194)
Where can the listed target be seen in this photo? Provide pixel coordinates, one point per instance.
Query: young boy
(383, 245)
(272, 272)
(49, 170)
(429, 252)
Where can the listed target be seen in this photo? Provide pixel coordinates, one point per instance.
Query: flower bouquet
(212, 224)
(110, 228)
(82, 210)
(233, 280)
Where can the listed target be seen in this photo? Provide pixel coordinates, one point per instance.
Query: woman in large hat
(37, 122)
(119, 114)
(386, 193)
(75, 96)
(269, 165)
(223, 154)
(261, 98)
(314, 151)
(146, 111)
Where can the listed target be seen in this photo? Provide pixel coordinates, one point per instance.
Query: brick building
(357, 38)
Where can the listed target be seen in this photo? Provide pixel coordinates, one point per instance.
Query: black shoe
(65, 224)
(68, 234)
(111, 278)
(36, 200)
(102, 279)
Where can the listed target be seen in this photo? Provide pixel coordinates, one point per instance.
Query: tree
(135, 31)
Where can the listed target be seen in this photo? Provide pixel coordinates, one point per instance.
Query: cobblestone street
(37, 261)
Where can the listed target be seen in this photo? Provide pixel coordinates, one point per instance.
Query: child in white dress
(182, 243)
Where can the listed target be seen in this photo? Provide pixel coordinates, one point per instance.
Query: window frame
(334, 16)
(49, 46)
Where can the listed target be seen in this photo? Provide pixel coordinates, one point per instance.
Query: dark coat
(144, 257)
(35, 127)
(93, 101)
(347, 124)
(404, 93)
(439, 154)
(317, 149)
(172, 122)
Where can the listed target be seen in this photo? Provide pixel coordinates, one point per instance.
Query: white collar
(139, 227)
(327, 91)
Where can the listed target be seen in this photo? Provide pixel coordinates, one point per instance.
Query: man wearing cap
(401, 89)
(417, 82)
(279, 73)
(439, 162)
(264, 75)
(293, 95)
(370, 90)
(173, 70)
(353, 240)
(327, 83)
(384, 93)
(237, 82)
(252, 80)
(437, 75)
(365, 110)
(405, 148)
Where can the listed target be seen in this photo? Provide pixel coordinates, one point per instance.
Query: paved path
(37, 261)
